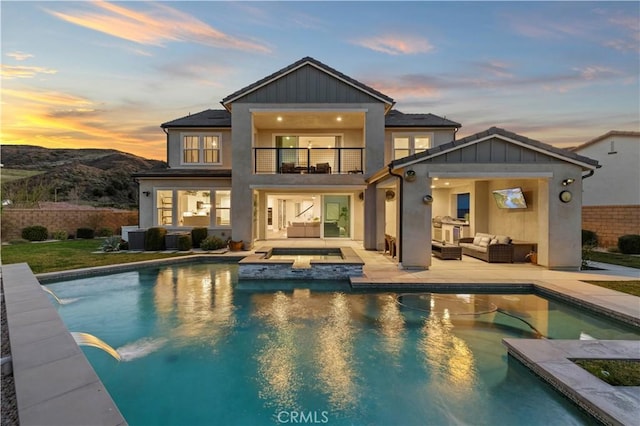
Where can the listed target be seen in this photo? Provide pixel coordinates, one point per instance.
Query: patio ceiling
(308, 120)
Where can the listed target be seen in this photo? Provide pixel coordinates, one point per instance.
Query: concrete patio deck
(36, 401)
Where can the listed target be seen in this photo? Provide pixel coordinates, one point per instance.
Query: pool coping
(552, 361)
(54, 382)
(605, 301)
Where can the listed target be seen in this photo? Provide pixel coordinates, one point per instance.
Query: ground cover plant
(70, 254)
(616, 372)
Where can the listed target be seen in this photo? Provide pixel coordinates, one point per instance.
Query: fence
(611, 222)
(69, 220)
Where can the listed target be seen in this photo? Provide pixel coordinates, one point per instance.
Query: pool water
(198, 349)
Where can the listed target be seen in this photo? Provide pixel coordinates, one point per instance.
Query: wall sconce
(565, 196)
(410, 175)
(389, 195)
(568, 181)
(361, 196)
(427, 199)
(146, 193)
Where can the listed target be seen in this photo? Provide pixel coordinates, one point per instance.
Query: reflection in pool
(199, 350)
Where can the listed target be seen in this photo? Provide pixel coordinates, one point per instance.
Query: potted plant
(236, 245)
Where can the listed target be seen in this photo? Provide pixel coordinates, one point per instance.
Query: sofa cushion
(484, 241)
(476, 240)
(503, 239)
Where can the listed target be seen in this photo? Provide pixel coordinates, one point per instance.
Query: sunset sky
(106, 75)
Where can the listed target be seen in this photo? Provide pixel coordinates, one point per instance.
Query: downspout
(399, 240)
(588, 175)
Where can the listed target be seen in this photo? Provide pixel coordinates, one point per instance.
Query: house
(309, 147)
(611, 198)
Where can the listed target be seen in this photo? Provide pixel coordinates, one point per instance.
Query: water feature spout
(86, 339)
(47, 290)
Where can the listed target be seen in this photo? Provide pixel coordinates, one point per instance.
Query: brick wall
(611, 222)
(14, 219)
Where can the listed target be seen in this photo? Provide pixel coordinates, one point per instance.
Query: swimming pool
(198, 349)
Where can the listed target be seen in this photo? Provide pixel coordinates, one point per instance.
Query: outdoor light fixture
(568, 181)
(146, 193)
(427, 199)
(565, 196)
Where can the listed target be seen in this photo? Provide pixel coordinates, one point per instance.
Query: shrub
(213, 243)
(85, 233)
(154, 239)
(124, 245)
(104, 232)
(184, 242)
(111, 244)
(35, 233)
(589, 238)
(629, 244)
(59, 235)
(198, 235)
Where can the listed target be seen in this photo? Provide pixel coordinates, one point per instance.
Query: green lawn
(70, 254)
(7, 175)
(629, 287)
(616, 259)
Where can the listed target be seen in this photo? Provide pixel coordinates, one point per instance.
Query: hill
(100, 177)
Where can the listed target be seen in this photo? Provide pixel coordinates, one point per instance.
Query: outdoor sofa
(488, 247)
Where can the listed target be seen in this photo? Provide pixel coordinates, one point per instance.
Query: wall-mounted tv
(510, 198)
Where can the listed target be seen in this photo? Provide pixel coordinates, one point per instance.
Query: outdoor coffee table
(446, 251)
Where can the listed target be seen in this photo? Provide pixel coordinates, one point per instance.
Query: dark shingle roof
(298, 64)
(207, 118)
(396, 118)
(170, 173)
(494, 131)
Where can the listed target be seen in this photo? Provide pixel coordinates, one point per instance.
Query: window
(164, 207)
(405, 144)
(201, 149)
(223, 208)
(193, 207)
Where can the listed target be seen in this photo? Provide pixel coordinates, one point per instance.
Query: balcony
(308, 160)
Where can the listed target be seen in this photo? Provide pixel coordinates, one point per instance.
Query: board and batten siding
(494, 151)
(307, 85)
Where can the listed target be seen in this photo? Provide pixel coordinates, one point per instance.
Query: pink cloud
(162, 24)
(10, 72)
(396, 44)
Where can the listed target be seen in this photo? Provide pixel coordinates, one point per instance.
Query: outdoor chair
(323, 168)
(288, 168)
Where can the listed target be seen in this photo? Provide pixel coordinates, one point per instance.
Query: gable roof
(496, 132)
(207, 118)
(396, 118)
(306, 61)
(605, 136)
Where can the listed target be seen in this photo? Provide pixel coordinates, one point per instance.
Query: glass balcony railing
(308, 160)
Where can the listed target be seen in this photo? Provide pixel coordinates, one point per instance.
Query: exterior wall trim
(493, 175)
(318, 109)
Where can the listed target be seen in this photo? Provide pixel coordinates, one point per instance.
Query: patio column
(416, 217)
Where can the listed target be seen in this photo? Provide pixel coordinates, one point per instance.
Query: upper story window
(201, 148)
(405, 144)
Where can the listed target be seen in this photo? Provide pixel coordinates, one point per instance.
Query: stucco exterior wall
(617, 182)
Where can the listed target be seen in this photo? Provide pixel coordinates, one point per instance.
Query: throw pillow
(493, 241)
